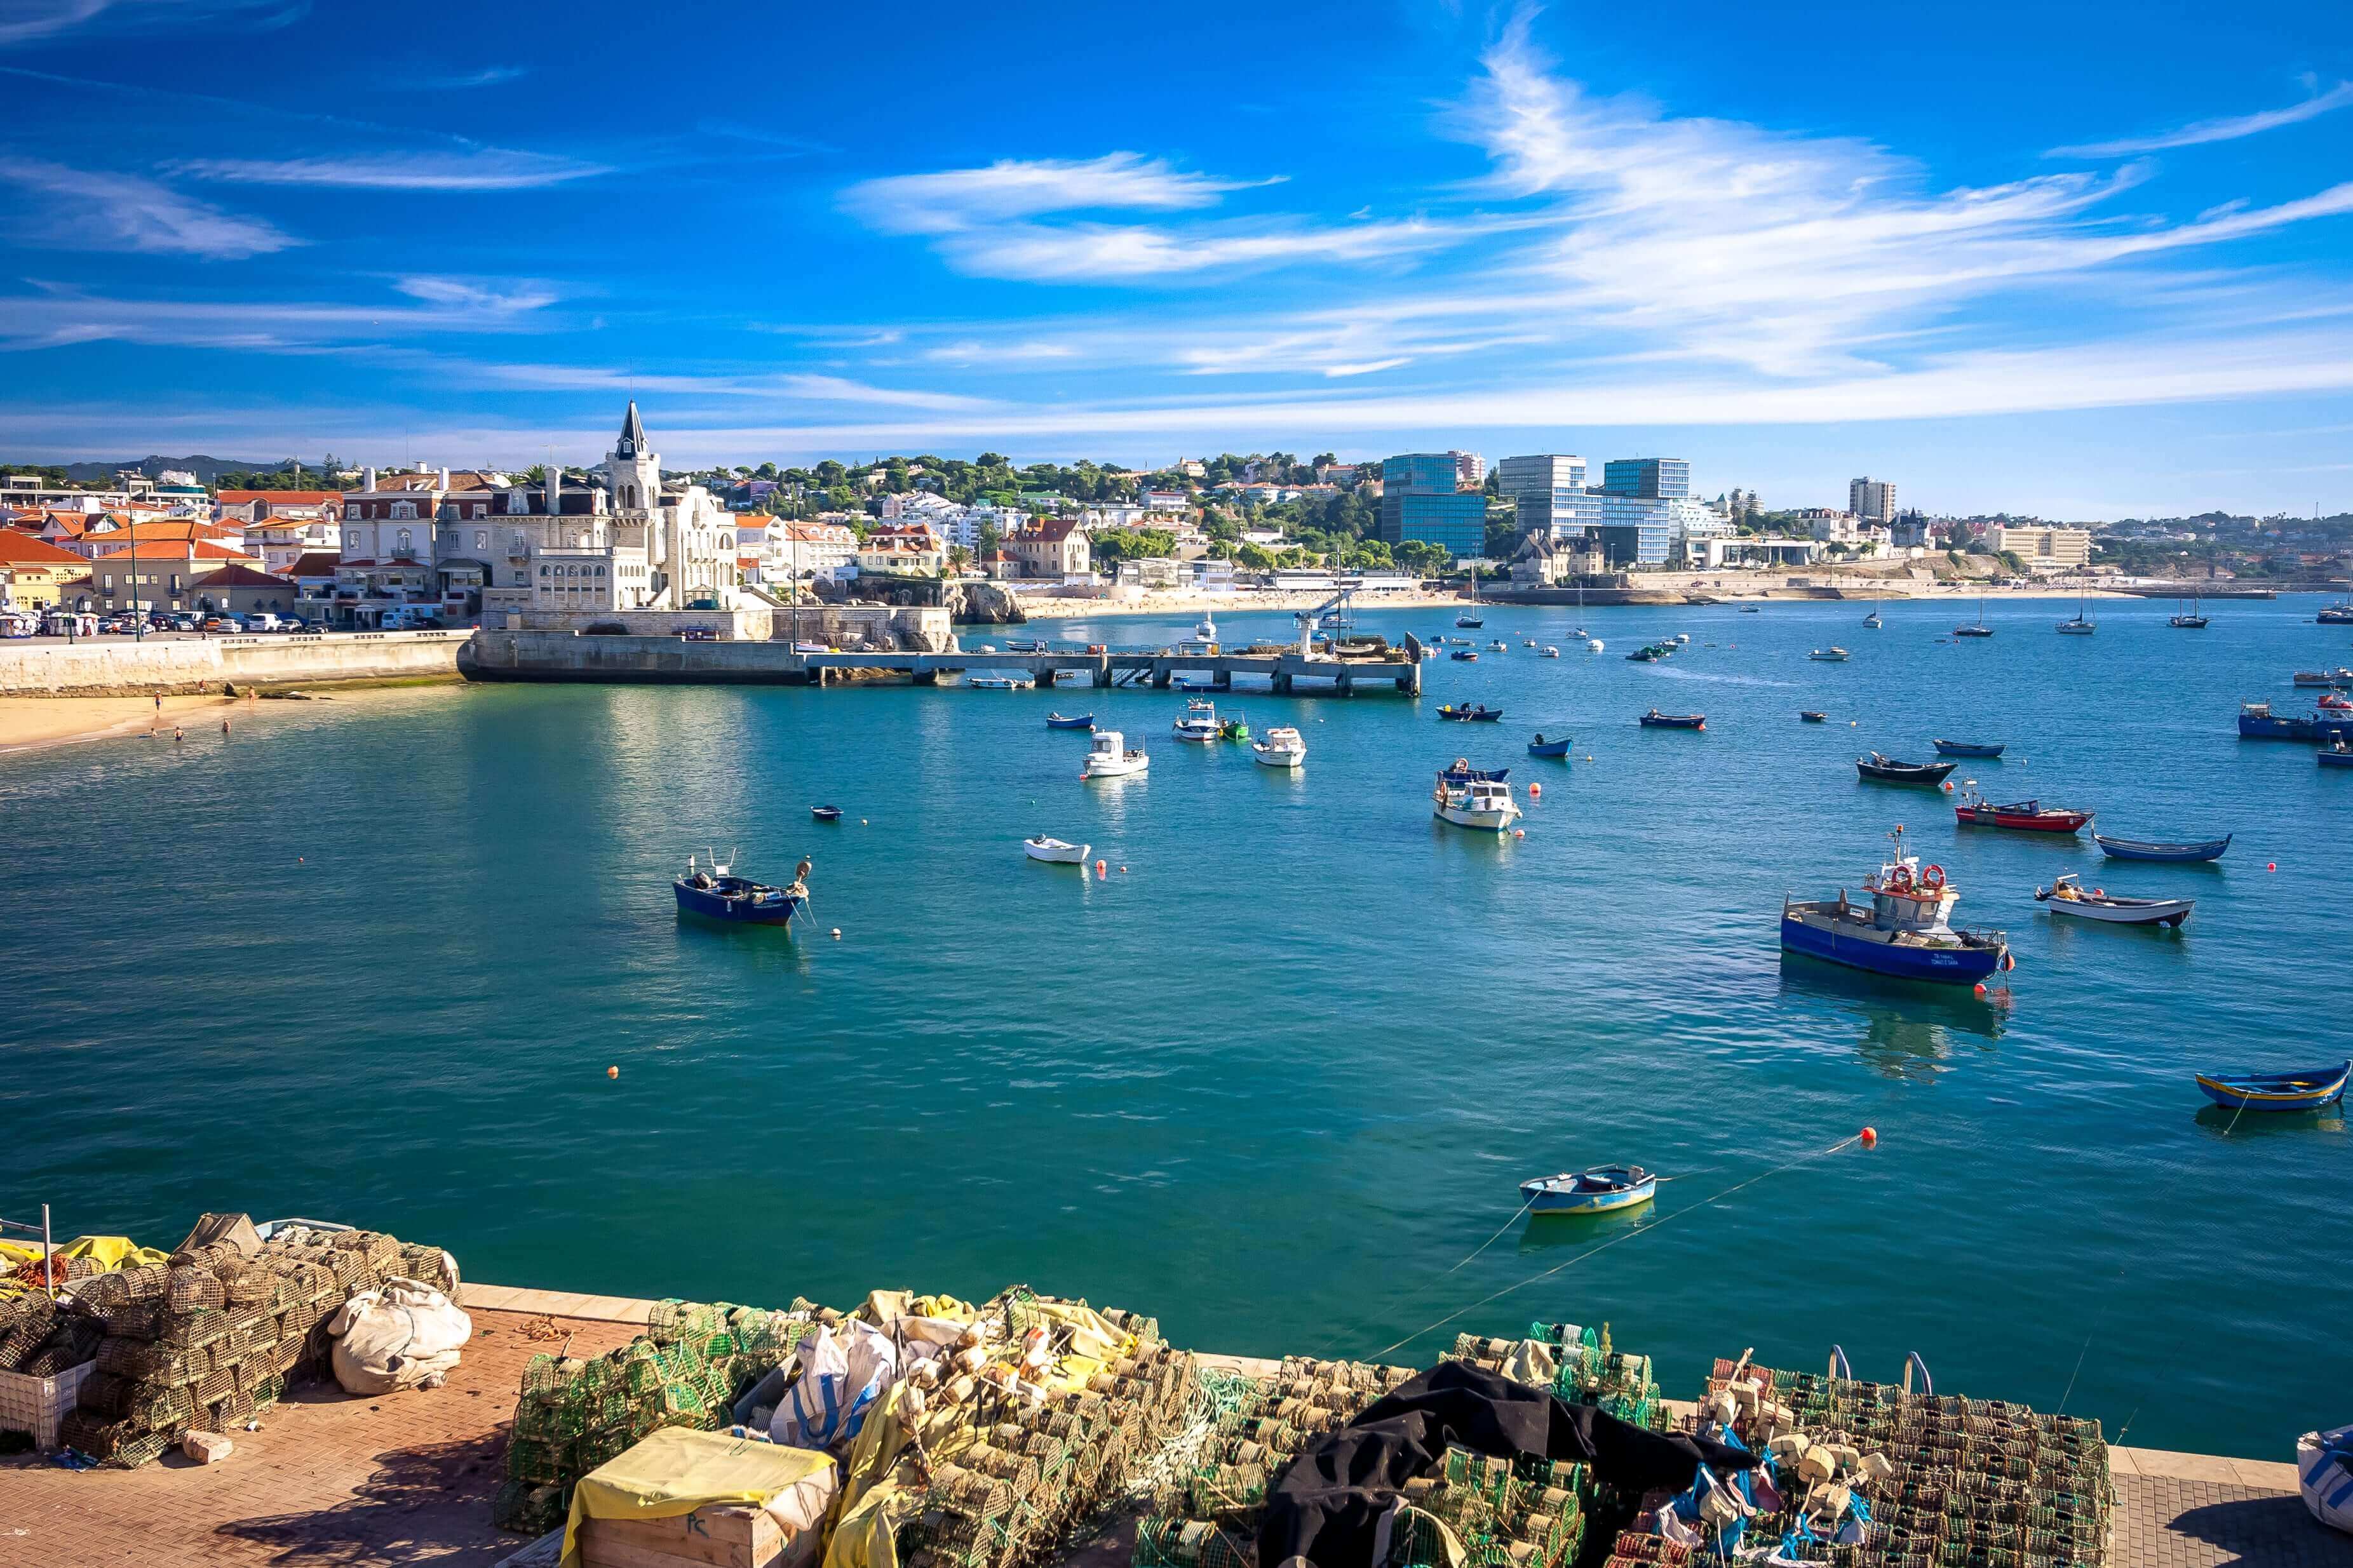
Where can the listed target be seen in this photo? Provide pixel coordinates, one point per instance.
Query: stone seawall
(119, 666)
(560, 655)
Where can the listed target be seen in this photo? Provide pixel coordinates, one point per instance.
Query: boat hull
(2145, 912)
(707, 904)
(1662, 721)
(1083, 721)
(2335, 759)
(1957, 966)
(2276, 1091)
(1119, 769)
(1968, 749)
(2172, 854)
(1057, 854)
(1477, 820)
(1272, 759)
(1904, 774)
(1549, 748)
(2278, 727)
(1548, 1202)
(2055, 822)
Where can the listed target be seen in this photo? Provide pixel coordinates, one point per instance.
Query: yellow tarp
(677, 1470)
(109, 1252)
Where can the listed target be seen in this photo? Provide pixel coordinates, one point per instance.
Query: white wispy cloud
(29, 21)
(89, 209)
(476, 169)
(47, 315)
(501, 298)
(779, 387)
(2228, 129)
(989, 222)
(488, 76)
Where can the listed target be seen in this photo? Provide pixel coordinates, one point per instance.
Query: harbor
(1295, 1018)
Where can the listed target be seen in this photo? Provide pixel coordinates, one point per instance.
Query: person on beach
(177, 735)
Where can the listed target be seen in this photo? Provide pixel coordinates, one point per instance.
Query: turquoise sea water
(370, 960)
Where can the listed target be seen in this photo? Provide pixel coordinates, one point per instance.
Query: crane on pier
(1311, 621)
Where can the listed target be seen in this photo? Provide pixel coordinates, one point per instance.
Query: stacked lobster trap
(211, 1339)
(685, 1370)
(1866, 1475)
(1207, 1514)
(1579, 1365)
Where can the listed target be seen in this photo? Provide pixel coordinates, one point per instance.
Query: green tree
(1420, 555)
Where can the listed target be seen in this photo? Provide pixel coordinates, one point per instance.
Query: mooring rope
(1606, 1246)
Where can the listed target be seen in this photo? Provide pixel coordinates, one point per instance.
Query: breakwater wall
(564, 656)
(120, 666)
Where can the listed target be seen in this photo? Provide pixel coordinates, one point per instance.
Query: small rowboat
(1809, 715)
(1970, 748)
(2066, 895)
(826, 813)
(1887, 770)
(1540, 747)
(1481, 714)
(1083, 721)
(1055, 851)
(2139, 850)
(2023, 816)
(1654, 720)
(1596, 1191)
(2278, 1091)
(2340, 755)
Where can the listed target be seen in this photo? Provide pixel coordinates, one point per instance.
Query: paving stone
(2166, 1523)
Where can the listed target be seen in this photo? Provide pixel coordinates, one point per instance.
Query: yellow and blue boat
(1597, 1190)
(2278, 1091)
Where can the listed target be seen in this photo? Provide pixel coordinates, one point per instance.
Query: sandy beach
(29, 723)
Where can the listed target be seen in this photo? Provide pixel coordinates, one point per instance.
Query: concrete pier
(563, 656)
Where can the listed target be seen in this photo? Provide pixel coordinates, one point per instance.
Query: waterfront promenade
(408, 1477)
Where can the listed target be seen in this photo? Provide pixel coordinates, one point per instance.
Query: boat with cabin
(1970, 748)
(1976, 628)
(1904, 932)
(2258, 723)
(1469, 622)
(1654, 720)
(2307, 1091)
(2335, 755)
(1198, 723)
(1055, 851)
(1599, 1191)
(1463, 656)
(998, 682)
(1973, 810)
(826, 813)
(1110, 757)
(1283, 748)
(2193, 619)
(1540, 747)
(1082, 722)
(1550, 652)
(1887, 770)
(2173, 854)
(1472, 798)
(716, 894)
(2083, 625)
(2066, 895)
(1829, 656)
(1476, 713)
(2340, 675)
(2339, 613)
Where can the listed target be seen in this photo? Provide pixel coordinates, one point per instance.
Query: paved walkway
(407, 1479)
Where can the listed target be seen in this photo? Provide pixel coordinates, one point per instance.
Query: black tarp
(1327, 1504)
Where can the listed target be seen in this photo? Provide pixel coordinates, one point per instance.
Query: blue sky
(2087, 260)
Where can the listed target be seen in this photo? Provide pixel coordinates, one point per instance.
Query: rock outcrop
(983, 604)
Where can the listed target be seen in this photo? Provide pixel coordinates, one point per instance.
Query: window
(404, 541)
(404, 508)
(481, 536)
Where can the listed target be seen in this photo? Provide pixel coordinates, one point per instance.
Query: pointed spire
(633, 433)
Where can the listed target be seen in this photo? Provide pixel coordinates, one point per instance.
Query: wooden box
(721, 1535)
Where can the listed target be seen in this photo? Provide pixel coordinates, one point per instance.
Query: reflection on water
(1907, 1029)
(2221, 1121)
(1558, 1232)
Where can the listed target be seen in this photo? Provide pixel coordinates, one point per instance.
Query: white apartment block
(2046, 551)
(1871, 499)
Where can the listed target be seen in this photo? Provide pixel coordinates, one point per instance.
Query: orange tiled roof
(20, 549)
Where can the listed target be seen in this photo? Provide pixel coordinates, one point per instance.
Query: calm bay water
(370, 960)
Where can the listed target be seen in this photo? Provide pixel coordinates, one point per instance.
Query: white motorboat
(1470, 797)
(1551, 652)
(1283, 748)
(1110, 757)
(2066, 895)
(1829, 654)
(1593, 644)
(998, 682)
(1197, 722)
(1055, 851)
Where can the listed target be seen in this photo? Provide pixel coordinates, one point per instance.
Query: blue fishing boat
(826, 813)
(2276, 1091)
(1970, 748)
(2258, 723)
(716, 894)
(1902, 932)
(1654, 720)
(2144, 849)
(1463, 656)
(1083, 721)
(2340, 755)
(1470, 713)
(1540, 747)
(1597, 1190)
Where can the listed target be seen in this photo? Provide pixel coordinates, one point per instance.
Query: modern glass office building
(1649, 479)
(1420, 500)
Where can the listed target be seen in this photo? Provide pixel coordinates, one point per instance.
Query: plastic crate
(37, 1405)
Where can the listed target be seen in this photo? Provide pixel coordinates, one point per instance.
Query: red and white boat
(2023, 816)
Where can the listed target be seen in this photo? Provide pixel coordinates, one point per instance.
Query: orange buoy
(612, 1072)
(2271, 866)
(1948, 787)
(1980, 988)
(1099, 868)
(1519, 832)
(1871, 1137)
(1535, 792)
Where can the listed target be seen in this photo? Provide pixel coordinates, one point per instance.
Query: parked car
(220, 624)
(188, 623)
(262, 621)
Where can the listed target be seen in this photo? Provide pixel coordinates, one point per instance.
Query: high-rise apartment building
(1871, 499)
(1469, 469)
(1547, 491)
(1422, 498)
